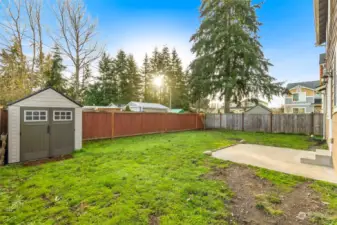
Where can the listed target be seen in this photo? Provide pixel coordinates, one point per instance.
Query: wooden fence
(101, 125)
(273, 123)
(3, 121)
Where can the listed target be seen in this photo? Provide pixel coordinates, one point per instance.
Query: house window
(63, 115)
(298, 110)
(35, 115)
(296, 97)
(299, 97)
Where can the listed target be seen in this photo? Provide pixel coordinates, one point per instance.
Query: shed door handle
(48, 129)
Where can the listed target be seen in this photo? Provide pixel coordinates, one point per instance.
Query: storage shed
(259, 109)
(43, 124)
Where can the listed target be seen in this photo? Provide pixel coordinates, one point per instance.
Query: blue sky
(137, 26)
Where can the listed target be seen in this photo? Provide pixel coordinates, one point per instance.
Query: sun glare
(158, 81)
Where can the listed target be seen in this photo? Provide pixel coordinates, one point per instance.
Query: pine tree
(147, 79)
(54, 77)
(14, 77)
(108, 80)
(125, 83)
(168, 80)
(135, 79)
(178, 82)
(155, 70)
(229, 59)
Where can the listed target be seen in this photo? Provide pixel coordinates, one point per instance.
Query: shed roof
(262, 106)
(42, 90)
(307, 84)
(147, 105)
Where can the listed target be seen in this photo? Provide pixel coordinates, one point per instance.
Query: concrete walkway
(280, 159)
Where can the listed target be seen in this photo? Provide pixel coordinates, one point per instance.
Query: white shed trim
(13, 134)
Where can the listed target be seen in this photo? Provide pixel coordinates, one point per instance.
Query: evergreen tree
(155, 70)
(168, 79)
(135, 79)
(53, 75)
(108, 80)
(229, 59)
(178, 82)
(94, 94)
(125, 82)
(14, 77)
(147, 79)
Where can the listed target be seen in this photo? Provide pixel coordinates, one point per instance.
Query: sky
(137, 26)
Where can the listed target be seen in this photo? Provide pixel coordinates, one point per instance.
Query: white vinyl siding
(78, 128)
(13, 134)
(47, 99)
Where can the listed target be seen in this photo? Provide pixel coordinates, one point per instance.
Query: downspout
(329, 111)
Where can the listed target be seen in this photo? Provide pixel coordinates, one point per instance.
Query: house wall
(289, 108)
(331, 66)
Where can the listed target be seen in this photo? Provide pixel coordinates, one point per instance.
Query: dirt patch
(257, 201)
(153, 220)
(43, 161)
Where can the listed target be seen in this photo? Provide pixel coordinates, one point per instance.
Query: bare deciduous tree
(75, 37)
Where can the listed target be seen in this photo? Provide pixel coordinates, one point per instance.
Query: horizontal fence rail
(272, 123)
(102, 125)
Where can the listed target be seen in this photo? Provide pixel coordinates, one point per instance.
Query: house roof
(42, 90)
(321, 18)
(307, 84)
(262, 106)
(322, 58)
(147, 105)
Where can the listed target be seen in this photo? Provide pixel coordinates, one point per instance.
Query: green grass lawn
(128, 180)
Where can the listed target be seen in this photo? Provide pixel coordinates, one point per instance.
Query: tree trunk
(227, 103)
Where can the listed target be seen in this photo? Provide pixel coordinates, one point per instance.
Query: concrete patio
(279, 159)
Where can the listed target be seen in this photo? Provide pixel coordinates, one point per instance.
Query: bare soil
(246, 186)
(43, 161)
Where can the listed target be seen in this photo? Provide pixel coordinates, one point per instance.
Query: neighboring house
(146, 107)
(259, 109)
(303, 98)
(326, 35)
(110, 108)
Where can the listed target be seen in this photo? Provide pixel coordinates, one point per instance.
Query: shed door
(34, 133)
(62, 132)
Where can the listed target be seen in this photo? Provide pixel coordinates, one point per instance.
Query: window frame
(299, 97)
(32, 115)
(60, 119)
(305, 111)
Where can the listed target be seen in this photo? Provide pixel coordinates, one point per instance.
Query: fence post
(220, 120)
(196, 121)
(271, 123)
(243, 122)
(312, 123)
(112, 124)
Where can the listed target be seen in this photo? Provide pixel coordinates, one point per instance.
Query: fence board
(119, 124)
(277, 123)
(96, 125)
(3, 121)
